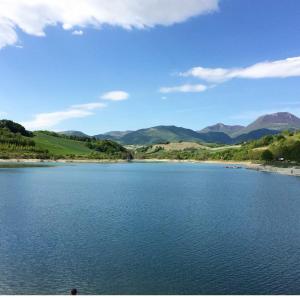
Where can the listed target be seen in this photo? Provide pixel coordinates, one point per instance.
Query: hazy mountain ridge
(160, 134)
(74, 133)
(254, 135)
(275, 121)
(118, 133)
(221, 127)
(219, 133)
(156, 135)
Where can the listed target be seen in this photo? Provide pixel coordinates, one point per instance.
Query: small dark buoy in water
(74, 292)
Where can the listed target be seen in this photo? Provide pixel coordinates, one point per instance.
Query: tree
(267, 155)
(15, 128)
(294, 153)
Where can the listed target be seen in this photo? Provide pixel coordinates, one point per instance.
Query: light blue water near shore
(157, 228)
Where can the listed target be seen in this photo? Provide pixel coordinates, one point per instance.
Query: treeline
(238, 154)
(15, 145)
(281, 147)
(271, 148)
(158, 152)
(108, 149)
(9, 138)
(15, 128)
(288, 148)
(70, 137)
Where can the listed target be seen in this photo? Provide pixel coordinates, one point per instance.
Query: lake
(148, 228)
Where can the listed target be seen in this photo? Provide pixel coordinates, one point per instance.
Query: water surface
(154, 228)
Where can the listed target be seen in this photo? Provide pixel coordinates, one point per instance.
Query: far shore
(23, 160)
(291, 171)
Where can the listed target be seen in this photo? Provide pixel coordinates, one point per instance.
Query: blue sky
(105, 76)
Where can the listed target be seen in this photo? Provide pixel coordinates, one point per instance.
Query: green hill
(15, 145)
(16, 142)
(66, 146)
(165, 134)
(270, 148)
(254, 135)
(14, 127)
(285, 146)
(60, 145)
(160, 134)
(74, 133)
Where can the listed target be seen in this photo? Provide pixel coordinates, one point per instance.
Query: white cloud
(115, 95)
(183, 88)
(49, 120)
(3, 114)
(289, 67)
(90, 106)
(8, 35)
(33, 16)
(77, 32)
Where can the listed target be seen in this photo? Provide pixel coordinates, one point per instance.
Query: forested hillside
(16, 142)
(15, 145)
(284, 147)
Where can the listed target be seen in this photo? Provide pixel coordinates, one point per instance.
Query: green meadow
(60, 146)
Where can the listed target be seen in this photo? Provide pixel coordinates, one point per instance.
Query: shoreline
(225, 162)
(290, 171)
(32, 160)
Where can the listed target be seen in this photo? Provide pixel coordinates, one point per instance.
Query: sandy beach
(291, 171)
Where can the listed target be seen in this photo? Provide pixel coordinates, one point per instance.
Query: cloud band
(33, 16)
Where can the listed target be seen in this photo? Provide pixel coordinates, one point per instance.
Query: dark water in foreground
(148, 229)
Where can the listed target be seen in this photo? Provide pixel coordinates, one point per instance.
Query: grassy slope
(289, 139)
(62, 146)
(193, 145)
(180, 146)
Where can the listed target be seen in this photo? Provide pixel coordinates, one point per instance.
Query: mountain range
(219, 133)
(220, 127)
(74, 133)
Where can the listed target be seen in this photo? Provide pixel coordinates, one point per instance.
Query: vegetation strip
(281, 150)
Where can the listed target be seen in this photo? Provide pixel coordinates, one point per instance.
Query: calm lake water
(156, 228)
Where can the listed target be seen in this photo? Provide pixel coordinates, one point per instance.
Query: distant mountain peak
(279, 117)
(275, 121)
(117, 133)
(218, 133)
(221, 127)
(73, 133)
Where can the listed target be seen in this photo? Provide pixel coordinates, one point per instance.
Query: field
(60, 146)
(193, 145)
